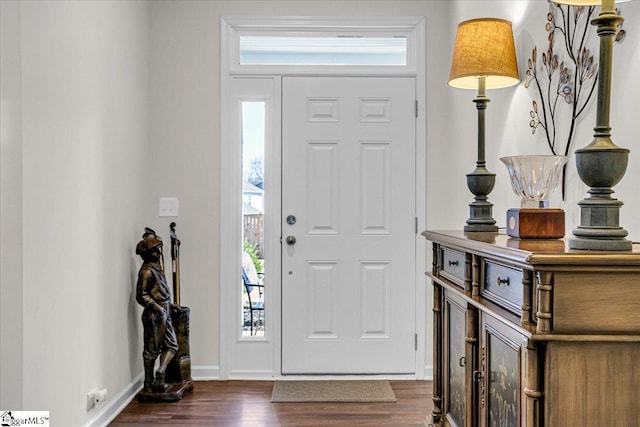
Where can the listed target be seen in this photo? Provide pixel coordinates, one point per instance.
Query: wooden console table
(529, 333)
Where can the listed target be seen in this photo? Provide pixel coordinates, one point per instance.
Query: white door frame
(268, 349)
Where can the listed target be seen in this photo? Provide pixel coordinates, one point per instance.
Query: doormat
(333, 391)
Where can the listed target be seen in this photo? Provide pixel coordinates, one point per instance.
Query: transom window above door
(312, 45)
(312, 50)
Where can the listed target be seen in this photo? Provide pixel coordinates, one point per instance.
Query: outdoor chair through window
(254, 289)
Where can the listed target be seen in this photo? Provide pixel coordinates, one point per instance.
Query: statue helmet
(149, 241)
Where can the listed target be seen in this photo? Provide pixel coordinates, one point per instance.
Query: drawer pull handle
(453, 263)
(462, 362)
(501, 281)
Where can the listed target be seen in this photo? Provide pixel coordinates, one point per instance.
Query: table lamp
(601, 164)
(484, 57)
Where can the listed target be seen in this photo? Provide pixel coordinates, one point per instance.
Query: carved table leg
(475, 281)
(533, 388)
(545, 287)
(527, 293)
(436, 414)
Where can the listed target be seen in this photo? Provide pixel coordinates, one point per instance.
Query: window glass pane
(253, 268)
(338, 50)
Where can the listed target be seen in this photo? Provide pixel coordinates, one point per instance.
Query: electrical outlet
(168, 206)
(96, 397)
(102, 396)
(91, 398)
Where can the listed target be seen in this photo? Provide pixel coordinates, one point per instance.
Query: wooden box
(543, 223)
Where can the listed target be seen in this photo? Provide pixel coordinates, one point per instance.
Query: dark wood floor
(248, 404)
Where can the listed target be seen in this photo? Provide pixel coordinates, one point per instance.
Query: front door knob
(291, 240)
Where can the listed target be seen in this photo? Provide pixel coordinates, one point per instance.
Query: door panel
(455, 313)
(349, 179)
(502, 373)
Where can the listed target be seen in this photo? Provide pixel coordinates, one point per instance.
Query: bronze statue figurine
(161, 340)
(152, 292)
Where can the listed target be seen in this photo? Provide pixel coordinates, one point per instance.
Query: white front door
(348, 200)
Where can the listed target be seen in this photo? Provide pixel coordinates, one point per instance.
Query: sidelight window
(253, 202)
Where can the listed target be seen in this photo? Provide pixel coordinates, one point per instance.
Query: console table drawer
(453, 265)
(503, 285)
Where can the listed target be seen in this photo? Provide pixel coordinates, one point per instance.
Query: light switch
(168, 206)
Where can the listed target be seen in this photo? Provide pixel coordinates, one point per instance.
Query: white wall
(85, 167)
(10, 208)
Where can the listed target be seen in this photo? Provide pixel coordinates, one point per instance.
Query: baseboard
(252, 375)
(205, 373)
(390, 377)
(428, 372)
(271, 376)
(116, 405)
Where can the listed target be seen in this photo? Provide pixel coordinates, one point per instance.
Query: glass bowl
(534, 178)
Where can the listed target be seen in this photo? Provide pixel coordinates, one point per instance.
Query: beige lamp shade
(484, 47)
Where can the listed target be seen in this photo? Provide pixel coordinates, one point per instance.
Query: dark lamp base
(599, 228)
(600, 244)
(480, 216)
(481, 228)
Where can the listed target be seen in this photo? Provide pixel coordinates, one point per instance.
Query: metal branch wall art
(563, 81)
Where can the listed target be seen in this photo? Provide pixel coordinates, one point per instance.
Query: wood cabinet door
(458, 362)
(502, 373)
